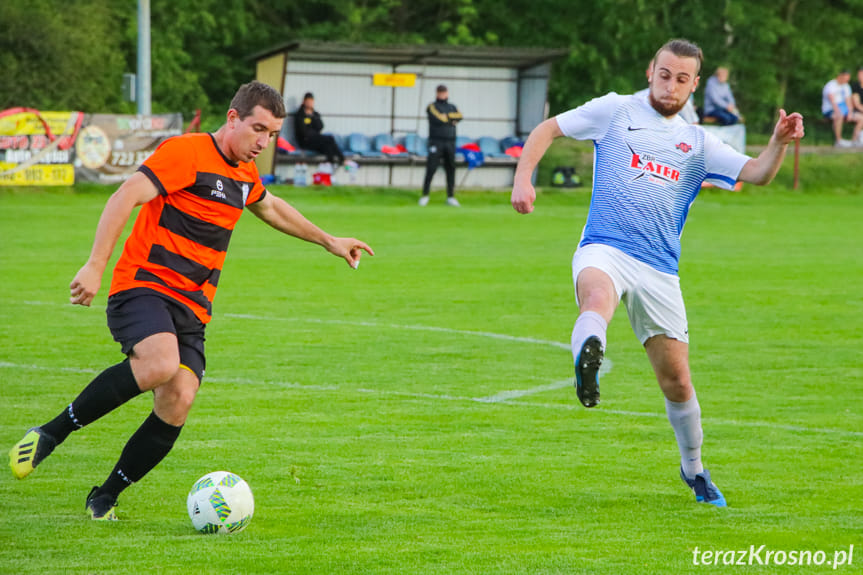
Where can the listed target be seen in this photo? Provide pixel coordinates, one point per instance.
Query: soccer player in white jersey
(649, 166)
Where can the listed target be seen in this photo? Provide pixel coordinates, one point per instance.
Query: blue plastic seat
(359, 143)
(490, 147)
(461, 141)
(415, 145)
(342, 144)
(382, 140)
(510, 141)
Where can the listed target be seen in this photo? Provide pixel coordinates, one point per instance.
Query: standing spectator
(719, 101)
(837, 105)
(308, 126)
(443, 117)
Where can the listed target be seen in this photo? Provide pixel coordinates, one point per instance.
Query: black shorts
(138, 313)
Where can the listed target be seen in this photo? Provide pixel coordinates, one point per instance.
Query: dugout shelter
(383, 91)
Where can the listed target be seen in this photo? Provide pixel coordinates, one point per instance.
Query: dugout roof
(404, 54)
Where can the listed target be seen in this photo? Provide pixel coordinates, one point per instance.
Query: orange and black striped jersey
(179, 240)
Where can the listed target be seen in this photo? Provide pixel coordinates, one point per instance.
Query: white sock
(685, 418)
(588, 323)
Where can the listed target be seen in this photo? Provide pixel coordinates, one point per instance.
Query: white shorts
(652, 298)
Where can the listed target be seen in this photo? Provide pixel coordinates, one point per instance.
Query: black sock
(108, 390)
(144, 450)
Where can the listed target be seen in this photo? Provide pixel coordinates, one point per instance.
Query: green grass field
(416, 415)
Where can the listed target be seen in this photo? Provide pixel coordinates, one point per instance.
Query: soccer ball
(220, 502)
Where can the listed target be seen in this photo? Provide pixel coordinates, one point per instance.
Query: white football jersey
(648, 169)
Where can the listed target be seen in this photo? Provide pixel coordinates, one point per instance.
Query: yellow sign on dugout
(395, 80)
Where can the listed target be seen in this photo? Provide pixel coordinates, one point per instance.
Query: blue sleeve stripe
(721, 178)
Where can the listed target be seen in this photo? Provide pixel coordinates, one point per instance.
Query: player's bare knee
(677, 387)
(173, 403)
(152, 371)
(598, 299)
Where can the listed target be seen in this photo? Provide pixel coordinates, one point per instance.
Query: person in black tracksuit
(307, 128)
(443, 117)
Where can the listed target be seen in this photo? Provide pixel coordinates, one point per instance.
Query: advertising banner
(37, 148)
(111, 147)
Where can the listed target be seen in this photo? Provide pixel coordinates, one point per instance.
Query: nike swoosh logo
(631, 129)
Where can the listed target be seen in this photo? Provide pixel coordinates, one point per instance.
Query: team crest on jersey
(245, 192)
(683, 147)
(656, 171)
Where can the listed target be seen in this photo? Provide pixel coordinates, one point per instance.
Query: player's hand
(85, 285)
(788, 128)
(523, 196)
(351, 249)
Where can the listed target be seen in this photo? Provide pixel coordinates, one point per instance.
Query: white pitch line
(509, 395)
(648, 414)
(413, 327)
(497, 398)
(44, 368)
(446, 397)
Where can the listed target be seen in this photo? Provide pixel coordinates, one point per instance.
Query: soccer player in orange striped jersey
(192, 191)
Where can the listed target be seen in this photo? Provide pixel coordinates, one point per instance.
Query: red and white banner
(56, 148)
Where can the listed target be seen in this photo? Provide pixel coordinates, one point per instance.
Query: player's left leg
(171, 404)
(658, 317)
(149, 444)
(670, 360)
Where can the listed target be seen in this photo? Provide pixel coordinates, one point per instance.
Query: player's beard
(664, 108)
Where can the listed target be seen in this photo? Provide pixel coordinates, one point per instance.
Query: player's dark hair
(683, 49)
(258, 94)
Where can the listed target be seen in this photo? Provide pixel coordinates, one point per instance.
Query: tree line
(71, 54)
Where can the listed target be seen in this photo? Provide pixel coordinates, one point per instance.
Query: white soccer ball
(220, 502)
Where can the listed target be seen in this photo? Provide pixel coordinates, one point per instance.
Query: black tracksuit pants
(325, 145)
(441, 151)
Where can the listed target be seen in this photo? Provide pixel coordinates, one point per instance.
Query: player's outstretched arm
(523, 193)
(282, 216)
(762, 170)
(135, 191)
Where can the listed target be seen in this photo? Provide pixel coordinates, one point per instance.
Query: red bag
(321, 179)
(284, 145)
(514, 151)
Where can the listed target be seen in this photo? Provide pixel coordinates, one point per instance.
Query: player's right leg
(153, 362)
(597, 299)
(143, 326)
(107, 391)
